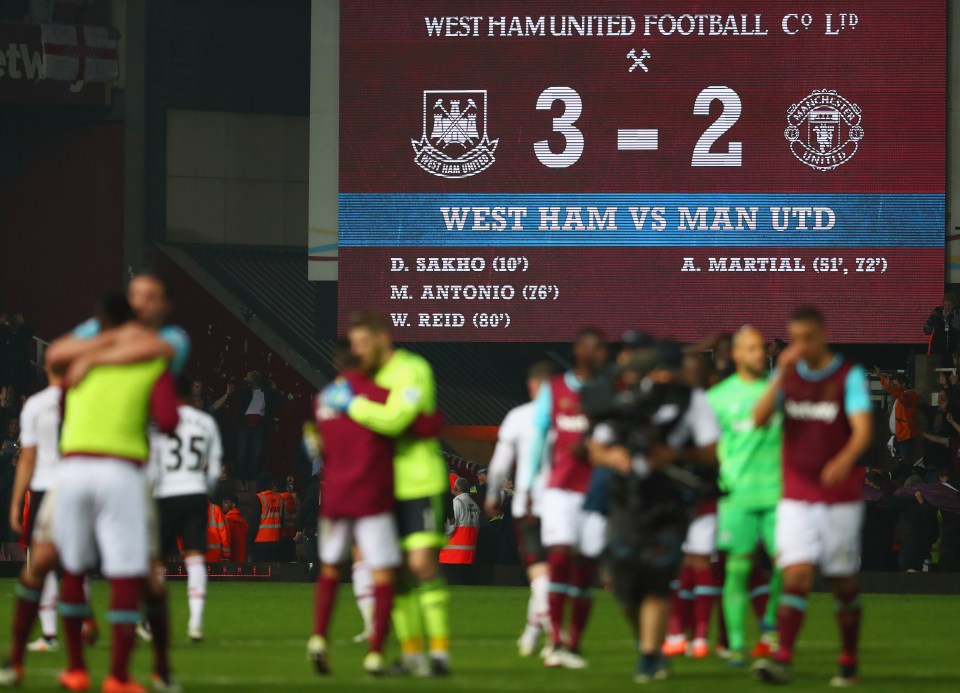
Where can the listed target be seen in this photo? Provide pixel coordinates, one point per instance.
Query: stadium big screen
(517, 170)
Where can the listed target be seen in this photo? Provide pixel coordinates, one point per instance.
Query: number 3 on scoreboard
(702, 156)
(573, 138)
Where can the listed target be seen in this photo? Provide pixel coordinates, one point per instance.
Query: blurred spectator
(937, 450)
(238, 528)
(919, 526)
(880, 523)
(10, 405)
(942, 327)
(698, 371)
(939, 495)
(225, 486)
(218, 535)
(9, 453)
(902, 415)
(720, 346)
(16, 337)
(198, 399)
(774, 348)
(256, 405)
(479, 491)
(218, 404)
(461, 548)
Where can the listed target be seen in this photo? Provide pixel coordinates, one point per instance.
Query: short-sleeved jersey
(513, 443)
(358, 463)
(817, 406)
(557, 412)
(175, 336)
(40, 429)
(188, 462)
(419, 469)
(749, 455)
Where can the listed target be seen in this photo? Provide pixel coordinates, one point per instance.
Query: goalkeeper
(750, 477)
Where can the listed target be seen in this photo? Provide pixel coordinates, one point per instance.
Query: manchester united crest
(824, 130)
(454, 142)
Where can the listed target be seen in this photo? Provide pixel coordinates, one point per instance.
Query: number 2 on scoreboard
(564, 124)
(702, 156)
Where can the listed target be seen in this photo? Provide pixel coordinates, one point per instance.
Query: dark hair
(874, 477)
(588, 332)
(113, 310)
(952, 297)
(541, 370)
(371, 320)
(160, 279)
(809, 314)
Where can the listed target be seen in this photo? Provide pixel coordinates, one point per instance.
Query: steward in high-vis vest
(266, 543)
(218, 535)
(238, 529)
(461, 547)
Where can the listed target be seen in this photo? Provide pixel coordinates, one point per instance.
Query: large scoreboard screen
(518, 170)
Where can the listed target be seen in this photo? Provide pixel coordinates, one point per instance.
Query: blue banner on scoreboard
(731, 220)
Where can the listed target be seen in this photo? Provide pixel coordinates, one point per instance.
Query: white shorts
(827, 535)
(564, 522)
(701, 536)
(376, 537)
(100, 512)
(43, 522)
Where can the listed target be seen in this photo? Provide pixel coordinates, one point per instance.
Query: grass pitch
(256, 634)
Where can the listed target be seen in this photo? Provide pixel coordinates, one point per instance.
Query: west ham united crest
(454, 143)
(824, 130)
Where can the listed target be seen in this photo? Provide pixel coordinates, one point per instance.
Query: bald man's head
(749, 352)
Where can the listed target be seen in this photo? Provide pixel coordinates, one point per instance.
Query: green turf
(256, 635)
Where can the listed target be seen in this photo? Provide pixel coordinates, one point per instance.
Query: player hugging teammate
(383, 409)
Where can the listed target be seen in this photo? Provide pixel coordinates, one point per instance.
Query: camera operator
(653, 445)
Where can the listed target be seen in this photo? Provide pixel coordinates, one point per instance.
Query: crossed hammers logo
(638, 61)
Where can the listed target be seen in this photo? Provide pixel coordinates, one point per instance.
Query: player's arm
(858, 410)
(214, 457)
(543, 405)
(769, 401)
(163, 404)
(393, 417)
(66, 349)
(503, 459)
(29, 439)
(952, 421)
(21, 482)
